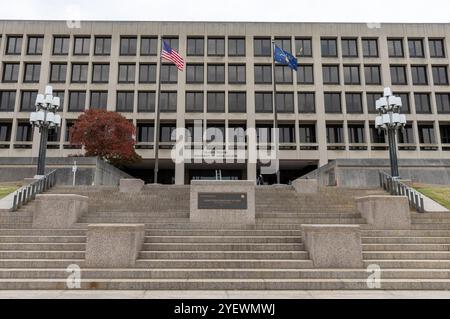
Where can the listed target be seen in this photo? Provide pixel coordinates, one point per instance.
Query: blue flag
(284, 58)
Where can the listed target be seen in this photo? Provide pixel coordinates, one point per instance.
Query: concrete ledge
(113, 245)
(385, 212)
(306, 186)
(333, 246)
(218, 211)
(129, 185)
(58, 210)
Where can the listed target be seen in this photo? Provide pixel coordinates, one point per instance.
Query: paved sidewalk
(223, 294)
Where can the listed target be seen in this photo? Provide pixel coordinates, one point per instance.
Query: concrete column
(179, 174)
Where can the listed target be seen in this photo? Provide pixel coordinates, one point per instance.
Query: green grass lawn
(437, 193)
(6, 190)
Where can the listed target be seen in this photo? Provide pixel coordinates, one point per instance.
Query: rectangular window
(11, 72)
(237, 102)
(5, 132)
(216, 102)
(216, 46)
(127, 73)
(349, 48)
(128, 45)
(28, 100)
(58, 72)
(100, 73)
(335, 133)
(35, 45)
(332, 102)
(7, 101)
(422, 101)
(305, 74)
(283, 74)
(61, 45)
(167, 133)
(398, 75)
(306, 102)
(426, 134)
(82, 46)
(125, 101)
(24, 132)
(69, 125)
(14, 45)
(216, 73)
(195, 46)
(351, 74)
(146, 101)
(172, 42)
(445, 134)
(307, 133)
(236, 74)
(395, 48)
(356, 133)
(145, 133)
(194, 102)
(303, 47)
(77, 101)
(377, 136)
(285, 102)
(32, 72)
(406, 108)
(419, 74)
(286, 133)
(61, 95)
(328, 47)
(263, 73)
(284, 44)
(147, 73)
(149, 46)
(370, 48)
(236, 46)
(264, 133)
(330, 74)
(102, 46)
(443, 103)
(371, 101)
(79, 72)
(372, 74)
(436, 48)
(353, 102)
(168, 101)
(262, 46)
(169, 73)
(415, 48)
(99, 100)
(440, 75)
(194, 73)
(263, 102)
(406, 136)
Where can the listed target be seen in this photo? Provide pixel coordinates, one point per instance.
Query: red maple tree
(107, 135)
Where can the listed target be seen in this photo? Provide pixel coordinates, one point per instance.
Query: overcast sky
(231, 10)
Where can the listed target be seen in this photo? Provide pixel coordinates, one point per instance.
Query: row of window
(216, 73)
(215, 46)
(237, 101)
(216, 132)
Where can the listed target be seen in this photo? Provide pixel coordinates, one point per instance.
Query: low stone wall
(222, 202)
(306, 186)
(385, 212)
(58, 211)
(130, 185)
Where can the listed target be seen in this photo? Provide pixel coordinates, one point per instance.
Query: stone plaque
(234, 201)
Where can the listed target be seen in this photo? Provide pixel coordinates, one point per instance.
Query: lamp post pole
(45, 118)
(390, 120)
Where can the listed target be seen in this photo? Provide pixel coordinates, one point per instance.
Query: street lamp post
(390, 120)
(45, 118)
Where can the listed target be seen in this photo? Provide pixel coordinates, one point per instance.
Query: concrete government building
(326, 110)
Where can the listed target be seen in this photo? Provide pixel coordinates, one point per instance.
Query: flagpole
(158, 113)
(275, 111)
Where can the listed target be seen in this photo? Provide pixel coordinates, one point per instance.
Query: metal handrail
(28, 193)
(395, 187)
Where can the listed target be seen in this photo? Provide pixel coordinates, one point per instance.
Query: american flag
(171, 55)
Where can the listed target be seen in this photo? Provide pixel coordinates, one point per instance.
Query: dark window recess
(372, 74)
(35, 45)
(28, 100)
(419, 74)
(263, 73)
(443, 103)
(330, 74)
(169, 73)
(167, 133)
(306, 102)
(147, 73)
(332, 102)
(335, 133)
(370, 48)
(5, 132)
(146, 101)
(14, 45)
(303, 47)
(349, 47)
(263, 102)
(237, 102)
(422, 101)
(194, 73)
(128, 45)
(236, 73)
(32, 72)
(305, 74)
(426, 134)
(77, 101)
(307, 133)
(7, 101)
(378, 136)
(395, 48)
(99, 100)
(79, 73)
(353, 102)
(102, 46)
(58, 72)
(406, 136)
(172, 42)
(286, 133)
(262, 47)
(283, 74)
(168, 101)
(356, 133)
(284, 102)
(216, 102)
(436, 48)
(100, 73)
(195, 46)
(125, 101)
(127, 73)
(328, 47)
(24, 132)
(416, 48)
(351, 75)
(398, 75)
(216, 46)
(145, 133)
(406, 106)
(284, 44)
(445, 133)
(149, 46)
(216, 73)
(82, 45)
(61, 45)
(194, 102)
(11, 72)
(236, 46)
(371, 101)
(440, 75)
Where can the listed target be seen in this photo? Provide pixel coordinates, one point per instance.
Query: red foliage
(107, 135)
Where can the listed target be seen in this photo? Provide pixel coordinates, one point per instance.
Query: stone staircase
(181, 255)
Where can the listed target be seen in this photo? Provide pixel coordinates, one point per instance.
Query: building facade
(326, 110)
